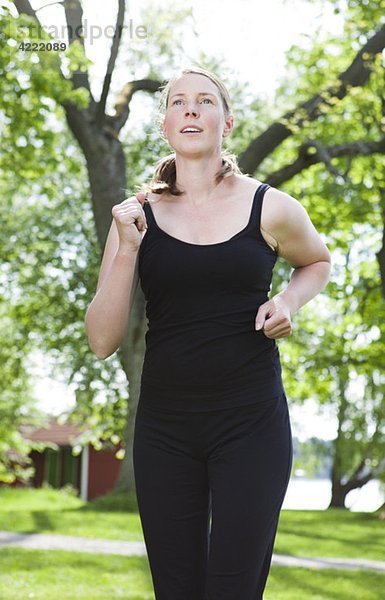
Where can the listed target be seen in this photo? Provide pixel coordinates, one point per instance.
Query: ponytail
(164, 178)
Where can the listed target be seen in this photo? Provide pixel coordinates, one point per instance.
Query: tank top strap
(149, 214)
(256, 210)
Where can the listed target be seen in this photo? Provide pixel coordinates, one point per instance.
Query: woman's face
(194, 101)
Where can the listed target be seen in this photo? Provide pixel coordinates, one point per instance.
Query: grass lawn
(64, 576)
(56, 511)
(56, 575)
(52, 575)
(334, 532)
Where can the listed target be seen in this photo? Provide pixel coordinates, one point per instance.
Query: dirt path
(42, 541)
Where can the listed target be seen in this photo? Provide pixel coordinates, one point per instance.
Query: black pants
(233, 463)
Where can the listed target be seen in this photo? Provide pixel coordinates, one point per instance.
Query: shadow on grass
(339, 526)
(325, 584)
(113, 502)
(42, 521)
(22, 559)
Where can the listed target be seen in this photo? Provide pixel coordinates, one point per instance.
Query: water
(315, 494)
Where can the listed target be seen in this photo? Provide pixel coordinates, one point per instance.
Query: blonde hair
(164, 178)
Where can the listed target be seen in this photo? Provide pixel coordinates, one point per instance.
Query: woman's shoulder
(247, 183)
(279, 209)
(240, 186)
(285, 221)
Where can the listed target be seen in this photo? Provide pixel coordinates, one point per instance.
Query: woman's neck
(197, 178)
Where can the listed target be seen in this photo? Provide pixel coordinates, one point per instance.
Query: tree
(339, 96)
(15, 401)
(47, 240)
(342, 366)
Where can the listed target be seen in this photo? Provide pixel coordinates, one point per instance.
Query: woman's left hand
(274, 318)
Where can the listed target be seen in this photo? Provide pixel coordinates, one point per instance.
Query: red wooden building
(91, 472)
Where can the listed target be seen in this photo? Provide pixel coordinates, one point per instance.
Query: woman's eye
(179, 101)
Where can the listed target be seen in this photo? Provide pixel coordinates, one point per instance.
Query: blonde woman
(212, 446)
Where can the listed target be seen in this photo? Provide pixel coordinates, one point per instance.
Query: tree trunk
(132, 353)
(359, 477)
(338, 489)
(107, 175)
(339, 493)
(106, 166)
(381, 511)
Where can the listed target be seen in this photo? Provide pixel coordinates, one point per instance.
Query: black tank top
(202, 349)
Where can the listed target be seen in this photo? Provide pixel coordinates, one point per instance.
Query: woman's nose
(191, 110)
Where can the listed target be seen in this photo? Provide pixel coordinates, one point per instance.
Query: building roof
(65, 434)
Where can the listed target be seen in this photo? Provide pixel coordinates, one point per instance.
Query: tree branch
(312, 153)
(358, 482)
(50, 4)
(122, 104)
(75, 117)
(380, 255)
(355, 75)
(74, 18)
(111, 62)
(73, 12)
(24, 8)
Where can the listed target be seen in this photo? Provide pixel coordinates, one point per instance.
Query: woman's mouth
(191, 130)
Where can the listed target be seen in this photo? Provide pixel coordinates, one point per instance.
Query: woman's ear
(164, 129)
(229, 124)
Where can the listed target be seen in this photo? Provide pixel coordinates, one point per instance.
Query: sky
(253, 38)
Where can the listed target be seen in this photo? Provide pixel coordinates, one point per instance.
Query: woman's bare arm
(298, 242)
(107, 317)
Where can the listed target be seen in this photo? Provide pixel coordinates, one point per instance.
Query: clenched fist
(130, 221)
(274, 318)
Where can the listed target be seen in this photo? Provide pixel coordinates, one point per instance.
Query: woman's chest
(170, 266)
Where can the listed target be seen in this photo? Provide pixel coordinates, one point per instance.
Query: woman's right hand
(130, 220)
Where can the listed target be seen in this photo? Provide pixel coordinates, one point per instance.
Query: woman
(212, 446)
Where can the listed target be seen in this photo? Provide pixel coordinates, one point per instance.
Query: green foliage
(49, 255)
(361, 17)
(334, 355)
(312, 457)
(343, 191)
(54, 272)
(16, 401)
(32, 88)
